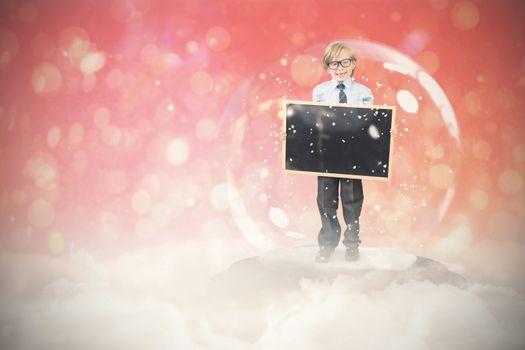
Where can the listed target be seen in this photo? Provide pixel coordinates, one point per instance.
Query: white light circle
(407, 101)
(278, 217)
(178, 152)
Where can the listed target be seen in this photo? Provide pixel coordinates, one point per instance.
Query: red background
(125, 123)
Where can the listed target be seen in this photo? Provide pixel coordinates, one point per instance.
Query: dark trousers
(327, 202)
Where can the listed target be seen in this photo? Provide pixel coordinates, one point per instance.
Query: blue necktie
(342, 95)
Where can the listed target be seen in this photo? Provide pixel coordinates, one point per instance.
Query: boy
(339, 60)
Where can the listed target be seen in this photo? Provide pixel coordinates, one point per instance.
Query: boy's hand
(283, 136)
(393, 131)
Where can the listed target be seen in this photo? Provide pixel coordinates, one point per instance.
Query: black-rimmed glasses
(345, 63)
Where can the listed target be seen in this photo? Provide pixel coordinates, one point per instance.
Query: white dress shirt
(356, 93)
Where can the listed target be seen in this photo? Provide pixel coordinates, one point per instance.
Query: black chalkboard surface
(338, 140)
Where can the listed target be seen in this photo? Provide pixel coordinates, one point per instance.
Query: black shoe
(324, 255)
(352, 253)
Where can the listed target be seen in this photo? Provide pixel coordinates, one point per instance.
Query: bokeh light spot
(89, 81)
(76, 134)
(74, 42)
(46, 79)
(306, 70)
(92, 62)
(264, 173)
(478, 199)
(305, 12)
(441, 176)
(41, 213)
(428, 60)
(56, 243)
(27, 12)
(298, 39)
(127, 10)
(415, 42)
(165, 110)
(395, 220)
(192, 47)
(201, 83)
(141, 202)
(407, 101)
(519, 153)
(472, 102)
(8, 47)
(145, 228)
(465, 15)
(116, 181)
(80, 161)
(218, 38)
(101, 117)
(161, 213)
(521, 81)
(114, 78)
(178, 152)
(169, 61)
(439, 4)
(206, 130)
(510, 182)
(53, 137)
(111, 135)
(435, 152)
(402, 203)
(395, 16)
(505, 97)
(41, 167)
(149, 54)
(481, 150)
(219, 197)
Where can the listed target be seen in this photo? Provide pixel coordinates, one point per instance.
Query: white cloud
(171, 297)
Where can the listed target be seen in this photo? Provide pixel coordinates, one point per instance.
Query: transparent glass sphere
(273, 208)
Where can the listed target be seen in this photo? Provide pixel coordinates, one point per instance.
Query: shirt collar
(348, 83)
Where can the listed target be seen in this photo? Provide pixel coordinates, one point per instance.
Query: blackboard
(338, 140)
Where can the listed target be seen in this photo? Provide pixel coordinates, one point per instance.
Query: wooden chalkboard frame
(387, 113)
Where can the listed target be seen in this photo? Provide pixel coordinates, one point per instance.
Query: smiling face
(342, 73)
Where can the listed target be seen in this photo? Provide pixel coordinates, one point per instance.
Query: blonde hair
(334, 49)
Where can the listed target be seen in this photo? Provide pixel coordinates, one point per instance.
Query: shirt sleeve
(317, 94)
(367, 98)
